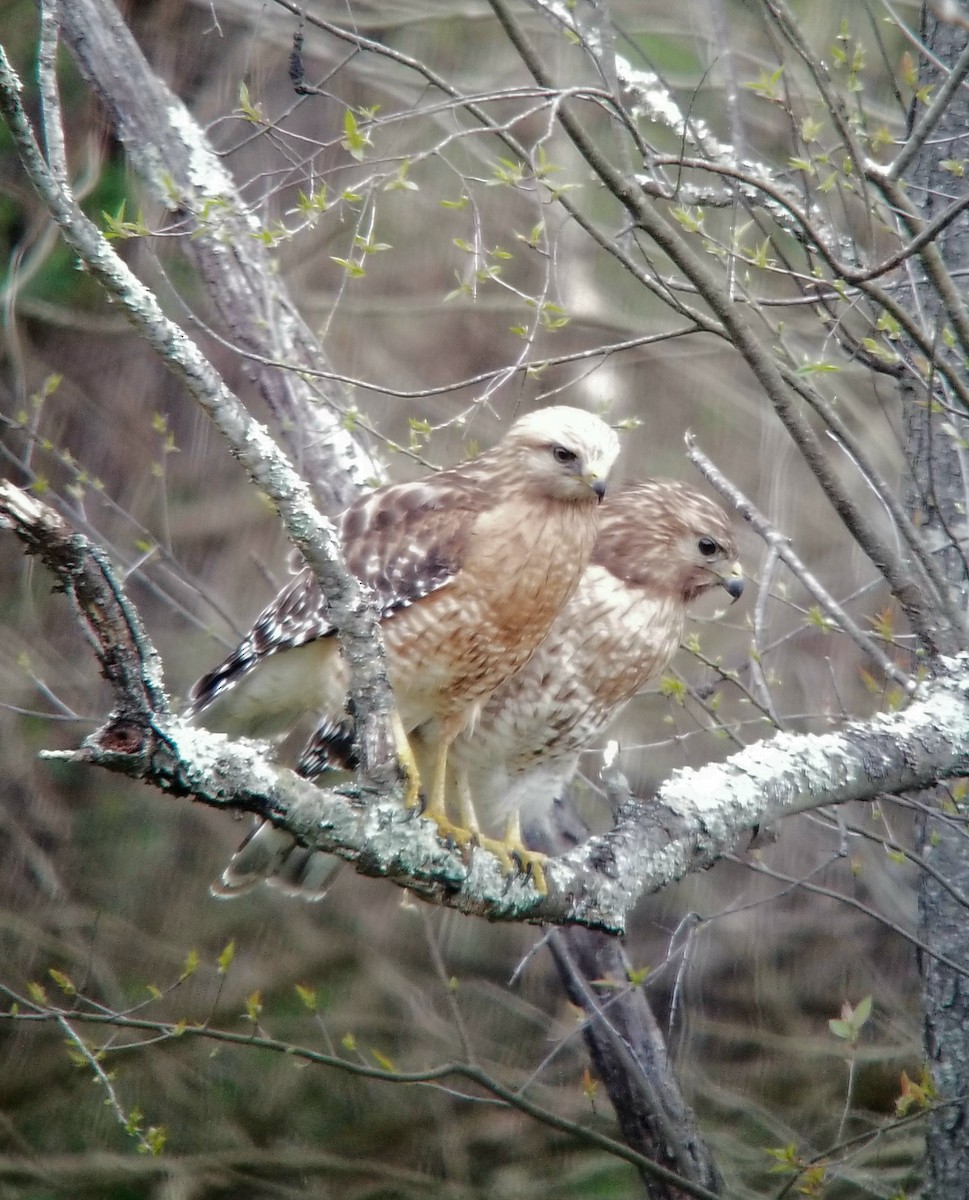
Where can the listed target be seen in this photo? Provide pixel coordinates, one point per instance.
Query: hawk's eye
(563, 455)
(707, 547)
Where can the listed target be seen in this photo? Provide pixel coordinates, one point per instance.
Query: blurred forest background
(437, 269)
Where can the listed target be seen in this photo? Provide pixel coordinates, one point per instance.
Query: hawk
(660, 545)
(467, 568)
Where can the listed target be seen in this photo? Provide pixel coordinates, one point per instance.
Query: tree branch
(781, 546)
(629, 1055)
(696, 816)
(351, 613)
(512, 1097)
(178, 164)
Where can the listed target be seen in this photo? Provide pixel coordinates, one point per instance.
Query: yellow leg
(531, 861)
(436, 807)
(466, 814)
(405, 756)
(510, 850)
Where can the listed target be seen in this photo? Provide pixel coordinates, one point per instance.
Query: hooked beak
(732, 579)
(599, 487)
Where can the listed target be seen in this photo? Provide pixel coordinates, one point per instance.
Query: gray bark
(939, 495)
(628, 1053)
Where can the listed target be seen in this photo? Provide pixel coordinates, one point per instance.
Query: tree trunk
(628, 1053)
(938, 496)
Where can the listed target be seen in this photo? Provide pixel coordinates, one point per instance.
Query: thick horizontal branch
(696, 816)
(699, 814)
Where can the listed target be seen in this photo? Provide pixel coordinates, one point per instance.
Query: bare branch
(176, 161)
(781, 546)
(433, 1076)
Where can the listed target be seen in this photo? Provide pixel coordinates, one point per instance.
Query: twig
(782, 547)
(433, 1076)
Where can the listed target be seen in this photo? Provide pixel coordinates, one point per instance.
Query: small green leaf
(766, 84)
(355, 140)
(253, 1006)
(225, 958)
(37, 993)
(354, 270)
(400, 182)
(810, 128)
(819, 619)
(63, 982)
(690, 218)
(673, 688)
(155, 1138)
(815, 368)
(307, 995)
(251, 112)
(383, 1061)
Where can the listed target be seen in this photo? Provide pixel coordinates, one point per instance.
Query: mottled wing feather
(406, 541)
(402, 543)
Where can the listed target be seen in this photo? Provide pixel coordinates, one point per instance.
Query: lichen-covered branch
(699, 813)
(696, 816)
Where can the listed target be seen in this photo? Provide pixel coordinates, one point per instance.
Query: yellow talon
(512, 853)
(408, 763)
(517, 859)
(449, 832)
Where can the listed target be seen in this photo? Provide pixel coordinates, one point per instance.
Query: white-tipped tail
(270, 855)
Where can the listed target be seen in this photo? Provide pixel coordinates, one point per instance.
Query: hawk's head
(665, 535)
(564, 452)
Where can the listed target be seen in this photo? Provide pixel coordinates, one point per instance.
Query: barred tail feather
(330, 748)
(218, 681)
(271, 855)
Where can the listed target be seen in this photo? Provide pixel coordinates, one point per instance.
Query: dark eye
(562, 455)
(707, 547)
